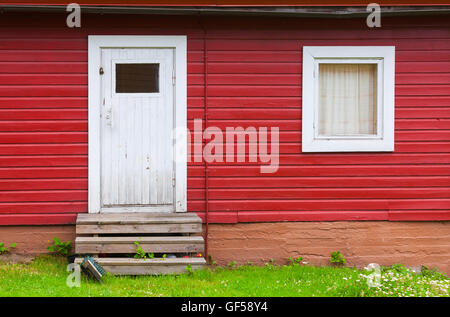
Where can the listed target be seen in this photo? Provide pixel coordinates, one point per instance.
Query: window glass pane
(347, 99)
(137, 78)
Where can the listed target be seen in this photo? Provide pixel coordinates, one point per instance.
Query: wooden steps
(114, 237)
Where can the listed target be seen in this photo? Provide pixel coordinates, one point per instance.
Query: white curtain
(347, 99)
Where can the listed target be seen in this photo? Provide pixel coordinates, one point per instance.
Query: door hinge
(173, 77)
(173, 181)
(100, 71)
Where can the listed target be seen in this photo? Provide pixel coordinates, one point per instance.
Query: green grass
(46, 276)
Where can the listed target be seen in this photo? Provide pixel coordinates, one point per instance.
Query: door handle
(109, 116)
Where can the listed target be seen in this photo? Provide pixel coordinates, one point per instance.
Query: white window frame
(384, 58)
(96, 43)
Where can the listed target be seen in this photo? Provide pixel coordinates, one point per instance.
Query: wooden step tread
(138, 218)
(159, 228)
(158, 266)
(138, 223)
(118, 245)
(155, 261)
(141, 240)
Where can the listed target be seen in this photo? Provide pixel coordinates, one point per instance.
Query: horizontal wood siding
(254, 79)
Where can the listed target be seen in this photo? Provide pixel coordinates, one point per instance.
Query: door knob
(109, 116)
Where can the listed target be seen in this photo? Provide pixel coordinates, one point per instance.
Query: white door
(137, 119)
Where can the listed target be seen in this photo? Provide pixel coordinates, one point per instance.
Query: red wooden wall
(254, 79)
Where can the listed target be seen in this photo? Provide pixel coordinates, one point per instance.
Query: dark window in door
(137, 78)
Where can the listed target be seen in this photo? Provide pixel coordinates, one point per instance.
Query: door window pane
(137, 78)
(347, 99)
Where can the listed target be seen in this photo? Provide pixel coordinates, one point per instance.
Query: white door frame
(96, 44)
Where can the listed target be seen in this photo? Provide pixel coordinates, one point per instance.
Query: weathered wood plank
(140, 221)
(148, 244)
(131, 248)
(155, 261)
(148, 270)
(139, 228)
(137, 218)
(141, 240)
(128, 266)
(138, 215)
